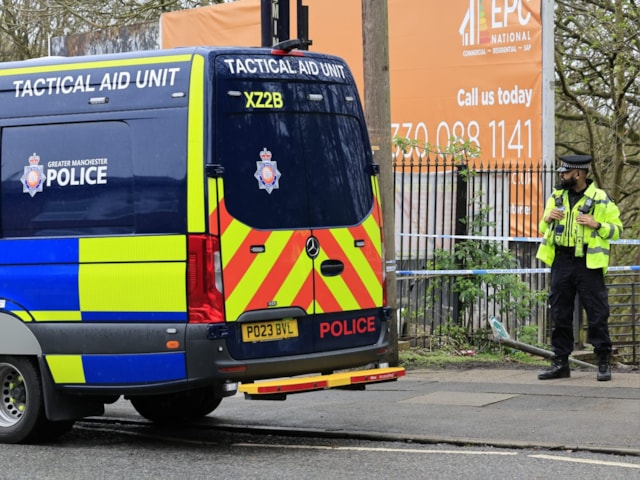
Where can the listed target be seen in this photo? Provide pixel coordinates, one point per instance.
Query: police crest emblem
(33, 177)
(267, 172)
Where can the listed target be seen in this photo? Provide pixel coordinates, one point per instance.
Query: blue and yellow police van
(174, 223)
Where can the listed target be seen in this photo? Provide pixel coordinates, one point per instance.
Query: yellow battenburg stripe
(130, 62)
(133, 287)
(139, 248)
(195, 155)
(50, 316)
(66, 368)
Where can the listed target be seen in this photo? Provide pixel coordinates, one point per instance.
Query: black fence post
(461, 229)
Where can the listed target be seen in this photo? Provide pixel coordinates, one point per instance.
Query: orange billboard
(224, 24)
(472, 70)
(467, 69)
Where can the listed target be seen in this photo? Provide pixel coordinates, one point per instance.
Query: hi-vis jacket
(568, 233)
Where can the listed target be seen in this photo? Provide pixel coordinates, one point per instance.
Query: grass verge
(415, 359)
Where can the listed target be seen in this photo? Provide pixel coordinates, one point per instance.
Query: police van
(175, 222)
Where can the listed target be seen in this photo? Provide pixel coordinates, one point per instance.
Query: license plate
(267, 331)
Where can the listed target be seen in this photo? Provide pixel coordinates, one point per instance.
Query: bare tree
(598, 94)
(27, 25)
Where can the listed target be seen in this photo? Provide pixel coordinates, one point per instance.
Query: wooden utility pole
(377, 104)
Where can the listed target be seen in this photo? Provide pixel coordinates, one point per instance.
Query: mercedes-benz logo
(313, 247)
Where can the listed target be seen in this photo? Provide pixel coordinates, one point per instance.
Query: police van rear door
(297, 209)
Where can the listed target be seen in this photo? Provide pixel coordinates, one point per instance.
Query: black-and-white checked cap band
(574, 162)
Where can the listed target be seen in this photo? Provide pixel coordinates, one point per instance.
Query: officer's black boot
(559, 369)
(604, 368)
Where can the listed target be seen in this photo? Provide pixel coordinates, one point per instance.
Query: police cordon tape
(622, 241)
(411, 274)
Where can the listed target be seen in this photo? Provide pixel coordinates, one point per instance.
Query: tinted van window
(67, 179)
(322, 178)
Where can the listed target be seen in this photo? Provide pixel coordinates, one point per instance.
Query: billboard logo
(484, 22)
(474, 29)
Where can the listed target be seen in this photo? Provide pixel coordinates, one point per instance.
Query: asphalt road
(106, 452)
(430, 424)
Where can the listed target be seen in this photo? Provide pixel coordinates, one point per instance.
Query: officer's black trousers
(569, 275)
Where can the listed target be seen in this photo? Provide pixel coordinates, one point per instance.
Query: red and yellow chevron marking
(360, 284)
(273, 278)
(279, 277)
(283, 275)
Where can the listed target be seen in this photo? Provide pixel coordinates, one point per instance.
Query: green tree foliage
(511, 295)
(27, 25)
(597, 60)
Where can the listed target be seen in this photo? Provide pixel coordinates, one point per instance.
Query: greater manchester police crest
(33, 177)
(267, 172)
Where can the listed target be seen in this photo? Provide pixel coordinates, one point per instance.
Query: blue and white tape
(496, 271)
(622, 241)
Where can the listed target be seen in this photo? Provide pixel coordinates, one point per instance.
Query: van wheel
(21, 404)
(174, 407)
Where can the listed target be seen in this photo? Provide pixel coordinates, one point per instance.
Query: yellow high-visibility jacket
(571, 234)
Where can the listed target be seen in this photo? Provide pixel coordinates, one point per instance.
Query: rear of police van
(294, 218)
(172, 222)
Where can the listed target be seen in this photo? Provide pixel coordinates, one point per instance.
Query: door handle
(331, 268)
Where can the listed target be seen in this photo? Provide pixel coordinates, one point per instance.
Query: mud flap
(59, 406)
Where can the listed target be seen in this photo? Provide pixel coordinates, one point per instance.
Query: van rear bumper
(324, 362)
(223, 366)
(133, 358)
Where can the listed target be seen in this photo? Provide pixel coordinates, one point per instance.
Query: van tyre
(22, 416)
(174, 407)
(21, 405)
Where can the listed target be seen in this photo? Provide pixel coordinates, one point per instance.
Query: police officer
(578, 223)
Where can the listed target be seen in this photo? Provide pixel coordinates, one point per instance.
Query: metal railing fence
(466, 245)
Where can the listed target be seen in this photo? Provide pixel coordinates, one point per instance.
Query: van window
(323, 177)
(67, 179)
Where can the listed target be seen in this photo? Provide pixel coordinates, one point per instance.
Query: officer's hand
(587, 220)
(555, 214)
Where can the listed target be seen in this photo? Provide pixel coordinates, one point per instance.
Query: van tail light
(204, 280)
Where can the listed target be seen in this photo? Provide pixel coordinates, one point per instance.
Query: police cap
(574, 162)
